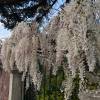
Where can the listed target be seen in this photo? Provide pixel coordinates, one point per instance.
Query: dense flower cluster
(19, 52)
(77, 36)
(72, 39)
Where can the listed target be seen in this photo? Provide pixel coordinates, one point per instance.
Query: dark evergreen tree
(13, 11)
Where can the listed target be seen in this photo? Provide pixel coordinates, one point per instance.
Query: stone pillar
(4, 85)
(15, 86)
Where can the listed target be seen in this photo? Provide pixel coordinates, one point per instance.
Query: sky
(4, 33)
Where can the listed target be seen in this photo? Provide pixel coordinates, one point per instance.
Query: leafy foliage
(51, 86)
(75, 91)
(91, 85)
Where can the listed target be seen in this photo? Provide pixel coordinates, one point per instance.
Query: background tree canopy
(13, 11)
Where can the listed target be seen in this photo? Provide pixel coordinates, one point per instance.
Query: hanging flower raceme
(77, 36)
(20, 52)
